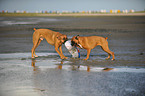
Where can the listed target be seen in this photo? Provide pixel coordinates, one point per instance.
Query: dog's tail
(34, 29)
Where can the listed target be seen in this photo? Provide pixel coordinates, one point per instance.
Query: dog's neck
(80, 42)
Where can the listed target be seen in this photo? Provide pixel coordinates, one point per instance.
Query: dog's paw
(85, 59)
(107, 58)
(32, 57)
(64, 57)
(36, 56)
(113, 59)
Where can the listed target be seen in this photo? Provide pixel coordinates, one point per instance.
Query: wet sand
(48, 75)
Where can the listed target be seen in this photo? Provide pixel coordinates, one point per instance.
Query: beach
(48, 75)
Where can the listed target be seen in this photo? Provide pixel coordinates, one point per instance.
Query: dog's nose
(65, 40)
(72, 43)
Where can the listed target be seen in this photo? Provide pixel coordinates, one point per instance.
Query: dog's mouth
(75, 44)
(65, 40)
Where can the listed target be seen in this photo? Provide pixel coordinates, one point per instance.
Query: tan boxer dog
(90, 43)
(54, 38)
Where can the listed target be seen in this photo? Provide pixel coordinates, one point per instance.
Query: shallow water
(49, 75)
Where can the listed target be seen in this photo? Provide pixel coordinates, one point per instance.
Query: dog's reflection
(35, 68)
(60, 65)
(71, 67)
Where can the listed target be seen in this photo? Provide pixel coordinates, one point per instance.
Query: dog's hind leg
(106, 49)
(35, 44)
(33, 50)
(39, 41)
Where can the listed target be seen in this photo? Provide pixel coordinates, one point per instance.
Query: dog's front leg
(88, 54)
(56, 49)
(60, 49)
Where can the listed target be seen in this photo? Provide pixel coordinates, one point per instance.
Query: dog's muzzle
(65, 40)
(73, 43)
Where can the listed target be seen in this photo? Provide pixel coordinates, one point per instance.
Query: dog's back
(44, 33)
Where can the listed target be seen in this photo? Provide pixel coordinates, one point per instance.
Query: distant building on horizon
(65, 11)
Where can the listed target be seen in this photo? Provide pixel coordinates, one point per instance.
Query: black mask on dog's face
(74, 40)
(62, 38)
(73, 43)
(65, 39)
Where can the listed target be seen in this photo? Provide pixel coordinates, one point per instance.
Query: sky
(71, 5)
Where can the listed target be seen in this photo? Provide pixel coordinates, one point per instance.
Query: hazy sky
(70, 5)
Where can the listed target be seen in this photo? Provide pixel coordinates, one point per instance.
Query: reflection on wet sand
(33, 65)
(62, 66)
(67, 78)
(107, 69)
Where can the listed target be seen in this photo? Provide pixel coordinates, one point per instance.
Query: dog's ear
(77, 37)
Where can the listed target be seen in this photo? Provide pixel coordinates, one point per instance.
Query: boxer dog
(54, 38)
(90, 43)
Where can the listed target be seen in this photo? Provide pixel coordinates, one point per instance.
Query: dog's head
(75, 41)
(63, 38)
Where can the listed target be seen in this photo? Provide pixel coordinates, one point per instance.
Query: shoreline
(69, 14)
(22, 76)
